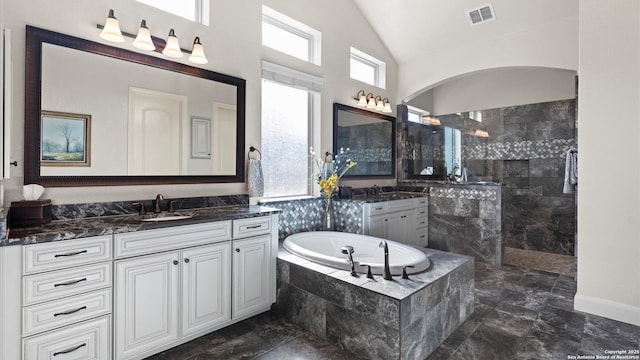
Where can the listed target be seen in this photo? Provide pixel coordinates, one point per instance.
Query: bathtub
(324, 247)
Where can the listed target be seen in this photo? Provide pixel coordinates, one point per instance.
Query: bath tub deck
(378, 319)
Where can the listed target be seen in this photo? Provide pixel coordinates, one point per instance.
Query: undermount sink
(168, 216)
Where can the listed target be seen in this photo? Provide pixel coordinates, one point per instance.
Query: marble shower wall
(467, 219)
(525, 151)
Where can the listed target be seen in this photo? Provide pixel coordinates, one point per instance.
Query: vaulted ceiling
(417, 29)
(414, 28)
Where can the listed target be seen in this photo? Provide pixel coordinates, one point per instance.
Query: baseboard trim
(607, 308)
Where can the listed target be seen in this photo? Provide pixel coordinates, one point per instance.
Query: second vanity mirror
(369, 138)
(100, 115)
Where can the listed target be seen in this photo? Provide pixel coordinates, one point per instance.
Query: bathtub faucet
(348, 250)
(387, 272)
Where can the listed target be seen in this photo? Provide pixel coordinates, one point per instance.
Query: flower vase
(328, 216)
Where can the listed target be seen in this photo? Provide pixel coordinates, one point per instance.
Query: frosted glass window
(285, 140)
(194, 10)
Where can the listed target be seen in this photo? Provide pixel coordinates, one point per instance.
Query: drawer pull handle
(71, 254)
(254, 227)
(378, 208)
(69, 350)
(72, 282)
(69, 312)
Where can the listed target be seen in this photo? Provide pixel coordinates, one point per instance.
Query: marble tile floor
(519, 314)
(538, 260)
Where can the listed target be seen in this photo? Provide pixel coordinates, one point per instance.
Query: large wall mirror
(100, 115)
(369, 138)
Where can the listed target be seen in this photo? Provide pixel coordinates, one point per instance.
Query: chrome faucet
(348, 250)
(387, 272)
(159, 198)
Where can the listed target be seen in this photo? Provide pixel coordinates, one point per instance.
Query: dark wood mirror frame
(35, 37)
(337, 108)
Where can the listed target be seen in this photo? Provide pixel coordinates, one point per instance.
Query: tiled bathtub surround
(378, 319)
(467, 219)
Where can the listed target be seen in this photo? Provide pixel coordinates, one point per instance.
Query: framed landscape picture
(65, 139)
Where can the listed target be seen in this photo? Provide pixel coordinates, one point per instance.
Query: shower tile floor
(519, 313)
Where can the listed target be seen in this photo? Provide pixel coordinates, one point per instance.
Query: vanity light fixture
(372, 102)
(143, 40)
(481, 133)
(430, 120)
(172, 49)
(197, 53)
(362, 98)
(379, 103)
(111, 30)
(387, 106)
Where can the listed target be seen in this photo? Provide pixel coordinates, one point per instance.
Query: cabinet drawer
(88, 340)
(377, 208)
(250, 227)
(53, 314)
(150, 241)
(56, 284)
(61, 254)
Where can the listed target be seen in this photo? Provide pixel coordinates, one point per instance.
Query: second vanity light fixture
(144, 40)
(371, 102)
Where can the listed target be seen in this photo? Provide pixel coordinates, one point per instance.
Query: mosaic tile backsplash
(306, 215)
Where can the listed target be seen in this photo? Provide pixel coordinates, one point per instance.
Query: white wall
(550, 45)
(498, 88)
(233, 45)
(609, 184)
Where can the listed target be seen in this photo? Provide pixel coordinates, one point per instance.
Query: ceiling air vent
(481, 14)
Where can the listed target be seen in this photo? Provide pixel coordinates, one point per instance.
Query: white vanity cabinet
(167, 296)
(404, 220)
(66, 301)
(215, 274)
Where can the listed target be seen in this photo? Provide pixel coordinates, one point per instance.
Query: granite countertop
(58, 230)
(389, 196)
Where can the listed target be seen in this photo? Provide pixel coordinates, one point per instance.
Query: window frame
(379, 67)
(200, 16)
(297, 28)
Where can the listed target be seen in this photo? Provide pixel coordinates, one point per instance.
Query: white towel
(255, 179)
(570, 172)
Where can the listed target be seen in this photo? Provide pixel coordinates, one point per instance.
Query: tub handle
(404, 271)
(369, 274)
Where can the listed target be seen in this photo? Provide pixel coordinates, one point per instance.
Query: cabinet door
(206, 282)
(401, 227)
(395, 227)
(251, 275)
(146, 303)
(408, 228)
(378, 226)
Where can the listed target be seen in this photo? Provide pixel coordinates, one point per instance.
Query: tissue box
(30, 213)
